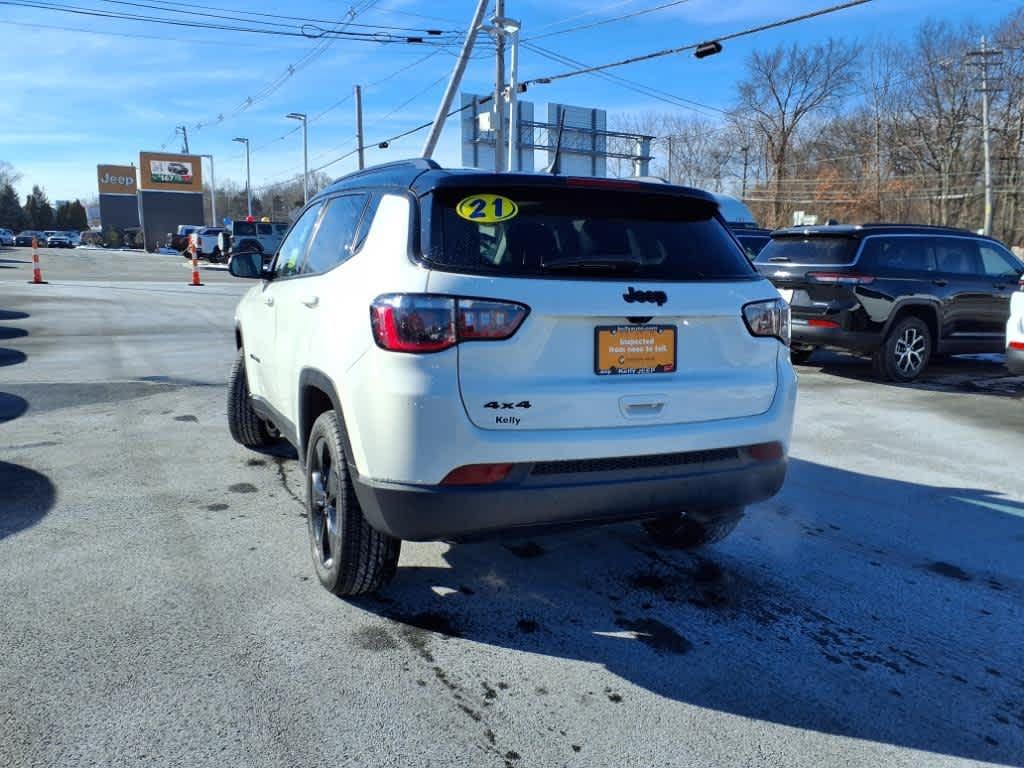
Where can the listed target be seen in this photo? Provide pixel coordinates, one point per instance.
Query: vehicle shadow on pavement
(850, 605)
(25, 498)
(969, 375)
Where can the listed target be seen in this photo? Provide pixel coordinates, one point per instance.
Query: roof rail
(412, 168)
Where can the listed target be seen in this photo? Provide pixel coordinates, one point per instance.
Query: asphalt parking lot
(159, 607)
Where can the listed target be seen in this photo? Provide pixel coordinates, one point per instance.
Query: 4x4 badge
(653, 297)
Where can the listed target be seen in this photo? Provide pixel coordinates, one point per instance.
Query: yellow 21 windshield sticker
(486, 208)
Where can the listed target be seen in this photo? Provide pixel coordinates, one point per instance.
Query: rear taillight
(816, 322)
(766, 451)
(477, 474)
(409, 322)
(839, 278)
(768, 318)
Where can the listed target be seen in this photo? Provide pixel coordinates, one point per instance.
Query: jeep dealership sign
(170, 172)
(116, 179)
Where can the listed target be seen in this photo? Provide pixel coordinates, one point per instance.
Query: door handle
(268, 300)
(310, 301)
(940, 282)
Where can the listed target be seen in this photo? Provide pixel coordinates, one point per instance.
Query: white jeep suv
(455, 354)
(1015, 331)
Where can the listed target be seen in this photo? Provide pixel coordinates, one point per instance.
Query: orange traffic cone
(195, 264)
(37, 275)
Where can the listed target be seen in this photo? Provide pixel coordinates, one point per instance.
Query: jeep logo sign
(116, 179)
(124, 181)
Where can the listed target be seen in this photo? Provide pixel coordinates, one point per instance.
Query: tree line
(37, 213)
(891, 132)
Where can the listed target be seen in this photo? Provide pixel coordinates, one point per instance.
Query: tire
(801, 356)
(905, 352)
(694, 531)
(215, 255)
(350, 557)
(246, 427)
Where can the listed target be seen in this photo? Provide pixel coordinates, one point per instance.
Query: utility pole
(499, 85)
(183, 130)
(983, 59)
(453, 83)
(213, 191)
(670, 181)
(301, 116)
(512, 27)
(248, 175)
(359, 126)
(746, 161)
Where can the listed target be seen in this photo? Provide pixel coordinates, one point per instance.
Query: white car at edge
(456, 354)
(1015, 332)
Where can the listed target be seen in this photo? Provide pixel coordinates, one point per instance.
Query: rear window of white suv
(580, 233)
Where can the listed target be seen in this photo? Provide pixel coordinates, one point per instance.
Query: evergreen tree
(78, 220)
(38, 210)
(11, 215)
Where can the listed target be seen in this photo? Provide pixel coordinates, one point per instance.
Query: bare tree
(783, 88)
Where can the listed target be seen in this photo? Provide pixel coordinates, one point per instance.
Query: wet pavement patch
(216, 507)
(242, 488)
(656, 635)
(527, 626)
(526, 550)
(187, 417)
(948, 570)
(432, 621)
(374, 638)
(255, 463)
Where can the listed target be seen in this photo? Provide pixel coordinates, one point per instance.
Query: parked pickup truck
(178, 241)
(207, 242)
(262, 236)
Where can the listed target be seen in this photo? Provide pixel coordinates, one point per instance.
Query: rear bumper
(1015, 360)
(424, 513)
(839, 338)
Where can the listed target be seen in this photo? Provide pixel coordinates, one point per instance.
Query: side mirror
(248, 264)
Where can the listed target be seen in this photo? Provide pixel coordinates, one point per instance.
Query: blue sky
(101, 90)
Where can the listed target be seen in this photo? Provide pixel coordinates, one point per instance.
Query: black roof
(421, 176)
(863, 230)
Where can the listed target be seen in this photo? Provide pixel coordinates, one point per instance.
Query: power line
(246, 15)
(694, 46)
(307, 31)
(587, 14)
(602, 22)
(134, 36)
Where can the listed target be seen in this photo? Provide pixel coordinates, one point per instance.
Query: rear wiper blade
(614, 263)
(780, 258)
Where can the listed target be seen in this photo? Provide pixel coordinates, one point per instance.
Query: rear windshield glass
(809, 250)
(572, 233)
(753, 243)
(245, 228)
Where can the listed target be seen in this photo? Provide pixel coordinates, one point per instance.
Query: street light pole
(248, 175)
(213, 191)
(305, 153)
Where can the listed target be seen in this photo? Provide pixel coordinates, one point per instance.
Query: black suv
(900, 293)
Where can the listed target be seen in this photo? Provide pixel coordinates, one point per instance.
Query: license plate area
(631, 350)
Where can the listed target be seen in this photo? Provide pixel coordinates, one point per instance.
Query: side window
(997, 263)
(958, 256)
(900, 254)
(332, 244)
(289, 257)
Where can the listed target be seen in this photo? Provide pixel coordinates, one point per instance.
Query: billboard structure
(170, 173)
(586, 147)
(170, 193)
(478, 144)
(119, 203)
